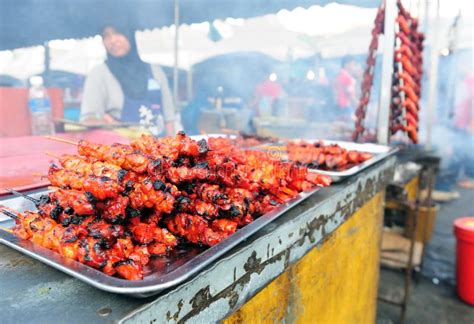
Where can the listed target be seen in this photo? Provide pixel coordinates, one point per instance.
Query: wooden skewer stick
(230, 131)
(37, 174)
(6, 229)
(59, 139)
(52, 154)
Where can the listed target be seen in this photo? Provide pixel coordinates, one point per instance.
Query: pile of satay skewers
(328, 157)
(115, 206)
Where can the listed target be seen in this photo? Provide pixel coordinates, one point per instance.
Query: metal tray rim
(143, 288)
(339, 175)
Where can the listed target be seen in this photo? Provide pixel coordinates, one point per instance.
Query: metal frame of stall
(384, 101)
(427, 172)
(298, 267)
(383, 133)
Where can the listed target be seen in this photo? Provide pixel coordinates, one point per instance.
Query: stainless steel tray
(162, 272)
(379, 153)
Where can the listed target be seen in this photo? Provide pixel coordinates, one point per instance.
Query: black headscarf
(129, 70)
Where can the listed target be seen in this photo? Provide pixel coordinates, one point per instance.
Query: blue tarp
(32, 22)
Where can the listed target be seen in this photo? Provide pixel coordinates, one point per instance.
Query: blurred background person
(267, 93)
(463, 128)
(126, 89)
(345, 90)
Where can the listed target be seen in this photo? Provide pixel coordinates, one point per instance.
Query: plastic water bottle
(39, 105)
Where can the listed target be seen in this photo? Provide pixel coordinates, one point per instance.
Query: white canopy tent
(333, 30)
(298, 33)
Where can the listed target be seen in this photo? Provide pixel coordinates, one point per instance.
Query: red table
(23, 159)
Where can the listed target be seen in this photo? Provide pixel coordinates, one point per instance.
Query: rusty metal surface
(333, 283)
(33, 292)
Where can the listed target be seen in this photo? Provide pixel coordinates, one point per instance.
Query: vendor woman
(126, 89)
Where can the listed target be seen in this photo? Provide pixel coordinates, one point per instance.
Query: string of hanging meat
(408, 62)
(368, 77)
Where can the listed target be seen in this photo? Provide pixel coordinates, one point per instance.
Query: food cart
(317, 261)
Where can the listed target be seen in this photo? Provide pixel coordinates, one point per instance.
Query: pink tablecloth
(23, 159)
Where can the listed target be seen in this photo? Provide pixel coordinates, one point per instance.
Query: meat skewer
(94, 249)
(115, 206)
(368, 76)
(325, 157)
(59, 139)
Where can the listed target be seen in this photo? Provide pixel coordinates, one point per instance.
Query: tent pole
(190, 83)
(175, 68)
(47, 62)
(383, 116)
(452, 61)
(433, 77)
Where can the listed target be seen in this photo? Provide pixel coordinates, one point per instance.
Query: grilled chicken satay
(200, 231)
(152, 194)
(47, 233)
(77, 201)
(89, 226)
(141, 194)
(239, 207)
(158, 240)
(115, 211)
(143, 152)
(118, 197)
(142, 232)
(170, 147)
(92, 244)
(199, 172)
(121, 155)
(89, 166)
(100, 187)
(214, 202)
(56, 206)
(196, 206)
(321, 156)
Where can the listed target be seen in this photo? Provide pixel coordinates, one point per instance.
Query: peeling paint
(234, 298)
(203, 298)
(252, 262)
(175, 315)
(18, 262)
